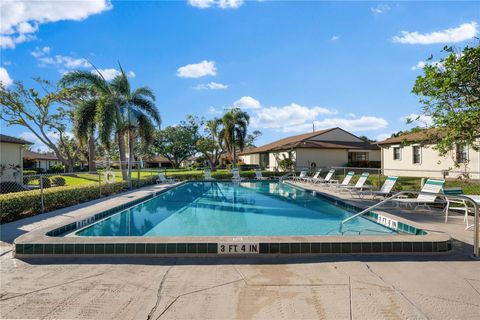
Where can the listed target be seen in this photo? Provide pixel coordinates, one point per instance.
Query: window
(417, 154)
(397, 155)
(357, 156)
(462, 155)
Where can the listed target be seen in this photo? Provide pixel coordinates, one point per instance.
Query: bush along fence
(47, 192)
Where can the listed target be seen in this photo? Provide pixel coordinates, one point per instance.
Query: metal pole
(476, 230)
(41, 194)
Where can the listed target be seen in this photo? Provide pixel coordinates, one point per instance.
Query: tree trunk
(91, 153)
(123, 156)
(130, 155)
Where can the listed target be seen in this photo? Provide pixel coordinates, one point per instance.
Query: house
(11, 158)
(414, 155)
(39, 160)
(324, 148)
(158, 161)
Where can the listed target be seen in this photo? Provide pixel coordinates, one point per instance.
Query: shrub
(46, 183)
(59, 181)
(58, 168)
(33, 171)
(10, 186)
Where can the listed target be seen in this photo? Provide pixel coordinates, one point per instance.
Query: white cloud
(247, 102)
(197, 70)
(364, 123)
(379, 9)
(40, 52)
(334, 38)
(21, 18)
(111, 73)
(463, 32)
(211, 86)
(5, 77)
(213, 110)
(421, 64)
(63, 62)
(416, 119)
(290, 116)
(223, 4)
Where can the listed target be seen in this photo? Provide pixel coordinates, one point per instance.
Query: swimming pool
(263, 208)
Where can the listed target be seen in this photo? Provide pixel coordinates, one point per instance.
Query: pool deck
(440, 286)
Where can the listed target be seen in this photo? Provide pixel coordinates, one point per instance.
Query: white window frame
(400, 152)
(413, 154)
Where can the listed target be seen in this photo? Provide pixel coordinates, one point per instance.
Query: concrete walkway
(330, 287)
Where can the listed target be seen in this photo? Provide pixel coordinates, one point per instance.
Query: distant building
(11, 158)
(324, 148)
(413, 155)
(158, 161)
(39, 160)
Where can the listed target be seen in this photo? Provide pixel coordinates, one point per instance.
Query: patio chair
(207, 175)
(457, 203)
(236, 175)
(163, 179)
(427, 195)
(359, 186)
(302, 175)
(327, 179)
(384, 191)
(336, 183)
(314, 177)
(259, 176)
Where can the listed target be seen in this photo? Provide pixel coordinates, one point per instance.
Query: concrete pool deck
(442, 286)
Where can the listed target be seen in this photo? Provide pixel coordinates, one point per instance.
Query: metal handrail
(285, 176)
(476, 218)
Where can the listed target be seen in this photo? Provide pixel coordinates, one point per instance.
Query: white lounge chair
(458, 204)
(236, 175)
(207, 175)
(314, 177)
(258, 175)
(327, 179)
(163, 179)
(427, 195)
(345, 182)
(302, 175)
(384, 191)
(359, 186)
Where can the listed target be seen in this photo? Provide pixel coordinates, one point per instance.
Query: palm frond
(80, 77)
(84, 119)
(146, 106)
(144, 92)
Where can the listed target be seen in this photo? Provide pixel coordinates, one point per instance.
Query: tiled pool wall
(324, 246)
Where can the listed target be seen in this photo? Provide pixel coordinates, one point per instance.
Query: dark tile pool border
(411, 240)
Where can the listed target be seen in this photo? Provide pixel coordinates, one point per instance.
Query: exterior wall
(431, 164)
(253, 158)
(373, 155)
(272, 159)
(46, 164)
(322, 157)
(336, 135)
(11, 154)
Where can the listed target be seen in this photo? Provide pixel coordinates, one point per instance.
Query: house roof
(304, 141)
(30, 155)
(159, 158)
(422, 135)
(10, 139)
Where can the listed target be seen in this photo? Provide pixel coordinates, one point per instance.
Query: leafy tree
(251, 137)
(234, 132)
(367, 139)
(449, 92)
(178, 143)
(210, 144)
(44, 115)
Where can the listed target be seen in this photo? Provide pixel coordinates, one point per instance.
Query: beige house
(414, 155)
(11, 158)
(324, 148)
(40, 160)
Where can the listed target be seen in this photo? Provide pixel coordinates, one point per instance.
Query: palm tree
(234, 132)
(84, 127)
(137, 107)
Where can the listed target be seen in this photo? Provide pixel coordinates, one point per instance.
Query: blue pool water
(233, 209)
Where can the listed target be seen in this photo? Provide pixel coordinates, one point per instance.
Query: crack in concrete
(350, 292)
(50, 287)
(471, 285)
(397, 291)
(195, 291)
(159, 292)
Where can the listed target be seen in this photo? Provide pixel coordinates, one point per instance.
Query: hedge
(14, 206)
(221, 175)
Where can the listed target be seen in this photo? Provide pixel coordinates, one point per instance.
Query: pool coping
(47, 241)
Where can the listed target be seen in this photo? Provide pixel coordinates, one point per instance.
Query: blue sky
(289, 64)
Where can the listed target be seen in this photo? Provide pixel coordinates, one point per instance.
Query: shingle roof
(423, 135)
(38, 156)
(10, 139)
(303, 141)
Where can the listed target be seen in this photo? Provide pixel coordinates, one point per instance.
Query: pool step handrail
(476, 217)
(285, 176)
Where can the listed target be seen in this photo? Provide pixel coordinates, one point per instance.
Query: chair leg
(446, 212)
